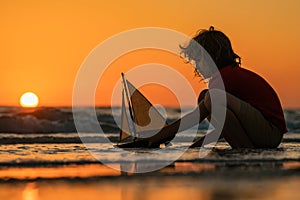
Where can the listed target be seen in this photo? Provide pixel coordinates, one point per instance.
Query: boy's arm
(168, 133)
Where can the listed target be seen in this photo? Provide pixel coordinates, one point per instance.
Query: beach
(38, 166)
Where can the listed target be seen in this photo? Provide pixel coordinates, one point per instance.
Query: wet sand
(69, 171)
(179, 181)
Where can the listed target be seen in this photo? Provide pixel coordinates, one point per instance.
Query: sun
(29, 100)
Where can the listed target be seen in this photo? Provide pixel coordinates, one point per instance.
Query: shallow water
(58, 153)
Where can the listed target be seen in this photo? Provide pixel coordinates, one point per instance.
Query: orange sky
(43, 43)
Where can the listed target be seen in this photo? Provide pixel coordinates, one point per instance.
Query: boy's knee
(217, 96)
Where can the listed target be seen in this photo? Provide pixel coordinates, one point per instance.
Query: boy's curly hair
(217, 44)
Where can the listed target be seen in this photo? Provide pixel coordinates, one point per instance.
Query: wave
(60, 120)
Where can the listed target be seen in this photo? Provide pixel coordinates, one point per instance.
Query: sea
(42, 156)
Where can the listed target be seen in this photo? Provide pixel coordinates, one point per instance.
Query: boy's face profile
(204, 62)
(206, 67)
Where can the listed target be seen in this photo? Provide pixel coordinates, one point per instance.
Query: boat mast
(129, 105)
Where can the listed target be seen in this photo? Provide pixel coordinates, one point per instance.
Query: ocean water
(60, 120)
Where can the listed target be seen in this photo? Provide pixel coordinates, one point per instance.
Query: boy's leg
(261, 133)
(232, 131)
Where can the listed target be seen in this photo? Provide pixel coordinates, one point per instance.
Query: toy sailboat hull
(136, 144)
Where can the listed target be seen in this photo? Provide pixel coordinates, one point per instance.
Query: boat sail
(143, 116)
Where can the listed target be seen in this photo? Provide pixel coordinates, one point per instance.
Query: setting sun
(29, 99)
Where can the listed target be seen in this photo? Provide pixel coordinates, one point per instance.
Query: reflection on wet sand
(98, 170)
(154, 187)
(181, 180)
(30, 192)
(72, 171)
(132, 168)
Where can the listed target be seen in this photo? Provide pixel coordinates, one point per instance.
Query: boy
(254, 116)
